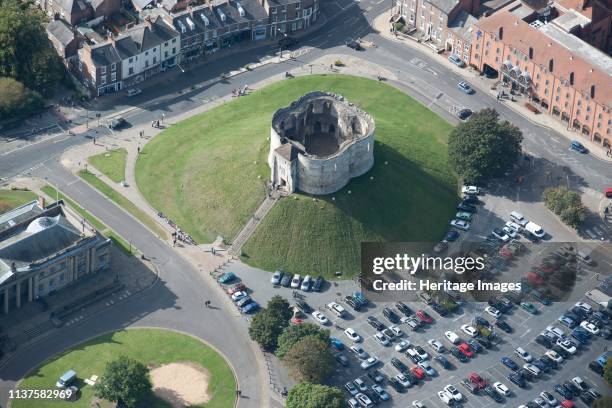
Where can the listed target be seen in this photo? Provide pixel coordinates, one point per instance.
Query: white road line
(526, 333)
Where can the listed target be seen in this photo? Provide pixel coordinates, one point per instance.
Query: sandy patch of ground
(181, 384)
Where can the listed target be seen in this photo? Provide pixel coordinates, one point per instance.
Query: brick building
(562, 74)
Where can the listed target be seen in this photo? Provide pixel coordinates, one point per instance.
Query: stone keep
(319, 143)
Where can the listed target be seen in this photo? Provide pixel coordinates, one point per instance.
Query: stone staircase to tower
(245, 233)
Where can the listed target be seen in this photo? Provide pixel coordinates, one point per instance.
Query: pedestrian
(138, 149)
(94, 140)
(163, 116)
(239, 393)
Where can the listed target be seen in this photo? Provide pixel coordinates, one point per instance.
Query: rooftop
(571, 20)
(60, 30)
(462, 25)
(445, 5)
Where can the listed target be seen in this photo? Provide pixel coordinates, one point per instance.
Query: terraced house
(44, 249)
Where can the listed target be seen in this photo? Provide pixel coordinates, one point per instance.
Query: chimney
(41, 202)
(149, 22)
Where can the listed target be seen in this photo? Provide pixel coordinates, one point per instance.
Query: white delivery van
(535, 229)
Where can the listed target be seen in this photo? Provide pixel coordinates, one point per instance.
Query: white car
(350, 387)
(402, 345)
(555, 331)
(444, 397)
(418, 404)
(353, 403)
(501, 389)
(590, 327)
(320, 317)
(295, 282)
(436, 345)
(579, 382)
(452, 337)
(553, 355)
(522, 353)
(382, 339)
(337, 309)
(500, 234)
(352, 334)
(460, 224)
(359, 352)
(402, 379)
(429, 370)
(472, 190)
(239, 295)
(532, 369)
(372, 361)
(397, 331)
(421, 353)
(453, 392)
(364, 400)
(359, 383)
(133, 92)
(509, 232)
(469, 330)
(584, 306)
(306, 283)
(493, 311)
(567, 346)
(513, 226)
(549, 398)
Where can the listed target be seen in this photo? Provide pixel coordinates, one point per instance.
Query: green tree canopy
(293, 334)
(279, 306)
(308, 395)
(608, 372)
(25, 54)
(265, 329)
(566, 204)
(483, 148)
(603, 402)
(310, 359)
(124, 379)
(16, 99)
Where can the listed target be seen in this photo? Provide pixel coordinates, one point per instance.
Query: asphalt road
(175, 302)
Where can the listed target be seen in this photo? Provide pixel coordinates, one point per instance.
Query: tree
(293, 334)
(483, 148)
(126, 380)
(310, 359)
(608, 372)
(280, 307)
(266, 327)
(603, 402)
(308, 395)
(25, 54)
(566, 204)
(16, 99)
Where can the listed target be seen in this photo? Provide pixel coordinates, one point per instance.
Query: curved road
(176, 300)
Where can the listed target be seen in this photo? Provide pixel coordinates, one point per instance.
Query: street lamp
(280, 43)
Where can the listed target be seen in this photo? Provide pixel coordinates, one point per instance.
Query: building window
(103, 80)
(578, 112)
(297, 6)
(579, 102)
(146, 53)
(174, 49)
(537, 76)
(113, 76)
(131, 71)
(103, 70)
(571, 78)
(131, 60)
(154, 60)
(586, 117)
(166, 44)
(174, 41)
(588, 108)
(530, 53)
(592, 91)
(551, 65)
(113, 67)
(500, 33)
(41, 288)
(497, 50)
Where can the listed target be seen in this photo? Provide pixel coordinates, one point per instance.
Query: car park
(342, 360)
(382, 339)
(369, 362)
(382, 394)
(320, 317)
(436, 345)
(359, 352)
(452, 337)
(469, 330)
(504, 326)
(501, 388)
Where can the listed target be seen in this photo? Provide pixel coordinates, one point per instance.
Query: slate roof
(60, 31)
(72, 6)
(445, 5)
(104, 55)
(253, 11)
(462, 25)
(142, 37)
(288, 151)
(18, 215)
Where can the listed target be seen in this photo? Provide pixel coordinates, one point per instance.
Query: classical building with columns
(44, 249)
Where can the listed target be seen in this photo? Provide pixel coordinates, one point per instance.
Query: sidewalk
(381, 24)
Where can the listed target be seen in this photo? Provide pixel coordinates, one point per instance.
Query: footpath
(383, 26)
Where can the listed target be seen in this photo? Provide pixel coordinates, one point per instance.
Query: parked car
(359, 352)
(286, 279)
(295, 281)
(351, 43)
(352, 335)
(391, 315)
(117, 123)
(508, 362)
(464, 114)
(578, 147)
(529, 307)
(452, 337)
(133, 92)
(470, 386)
(320, 317)
(465, 216)
(405, 309)
(370, 362)
(375, 323)
(376, 376)
(443, 361)
(469, 330)
(465, 87)
(501, 388)
(517, 379)
(504, 326)
(276, 278)
(436, 345)
(318, 284)
(462, 206)
(227, 277)
(455, 352)
(424, 316)
(456, 60)
(250, 307)
(342, 360)
(306, 283)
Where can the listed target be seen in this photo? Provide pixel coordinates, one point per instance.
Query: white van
(336, 309)
(518, 218)
(535, 229)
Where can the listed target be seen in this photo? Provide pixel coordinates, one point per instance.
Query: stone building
(44, 249)
(319, 143)
(563, 75)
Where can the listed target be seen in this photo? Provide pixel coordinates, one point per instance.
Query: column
(18, 294)
(30, 289)
(6, 300)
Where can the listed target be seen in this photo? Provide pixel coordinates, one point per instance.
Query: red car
(567, 404)
(423, 316)
(478, 380)
(236, 288)
(534, 279)
(465, 349)
(506, 253)
(418, 372)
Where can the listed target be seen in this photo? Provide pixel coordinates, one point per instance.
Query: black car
(466, 207)
(484, 341)
(349, 42)
(552, 363)
(376, 376)
(481, 321)
(469, 386)
(546, 363)
(349, 300)
(391, 315)
(286, 281)
(587, 399)
(544, 341)
(560, 350)
(572, 387)
(596, 368)
(439, 309)
(474, 345)
(459, 355)
(117, 123)
(464, 114)
(399, 365)
(581, 313)
(540, 364)
(397, 386)
(471, 199)
(504, 326)
(517, 379)
(303, 306)
(402, 307)
(525, 374)
(493, 394)
(318, 284)
(443, 361)
(341, 358)
(563, 391)
(287, 41)
(532, 404)
(373, 396)
(414, 358)
(375, 323)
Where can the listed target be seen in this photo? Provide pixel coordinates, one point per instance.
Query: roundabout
(208, 173)
(184, 371)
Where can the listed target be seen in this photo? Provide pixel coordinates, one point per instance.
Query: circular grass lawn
(152, 347)
(207, 174)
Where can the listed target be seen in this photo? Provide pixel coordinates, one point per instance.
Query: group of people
(240, 92)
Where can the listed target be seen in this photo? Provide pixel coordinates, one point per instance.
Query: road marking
(526, 333)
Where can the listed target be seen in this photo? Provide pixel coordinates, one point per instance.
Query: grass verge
(151, 347)
(111, 163)
(10, 199)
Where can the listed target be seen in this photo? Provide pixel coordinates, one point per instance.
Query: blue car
(564, 392)
(250, 308)
(451, 236)
(567, 321)
(337, 344)
(581, 335)
(456, 60)
(579, 147)
(508, 362)
(227, 277)
(465, 87)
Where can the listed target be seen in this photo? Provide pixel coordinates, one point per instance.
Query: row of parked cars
(238, 293)
(287, 279)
